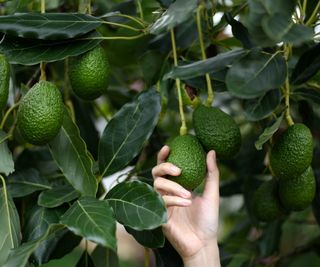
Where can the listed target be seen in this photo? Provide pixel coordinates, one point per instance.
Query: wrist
(207, 256)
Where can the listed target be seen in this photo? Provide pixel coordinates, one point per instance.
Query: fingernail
(175, 169)
(185, 193)
(186, 202)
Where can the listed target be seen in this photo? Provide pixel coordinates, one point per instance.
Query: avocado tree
(91, 90)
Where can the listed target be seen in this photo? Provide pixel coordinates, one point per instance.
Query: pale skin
(192, 220)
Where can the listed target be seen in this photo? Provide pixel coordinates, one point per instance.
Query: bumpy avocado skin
(266, 203)
(187, 153)
(217, 131)
(297, 193)
(89, 74)
(40, 113)
(292, 153)
(4, 81)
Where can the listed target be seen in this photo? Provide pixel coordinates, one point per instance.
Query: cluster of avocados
(294, 186)
(214, 130)
(41, 110)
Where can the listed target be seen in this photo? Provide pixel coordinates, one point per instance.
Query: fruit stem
(114, 37)
(146, 257)
(313, 16)
(183, 128)
(122, 25)
(287, 51)
(137, 20)
(43, 6)
(209, 100)
(43, 76)
(7, 114)
(140, 9)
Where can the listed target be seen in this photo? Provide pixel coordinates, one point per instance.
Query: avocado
(217, 131)
(4, 81)
(292, 153)
(298, 192)
(187, 153)
(266, 203)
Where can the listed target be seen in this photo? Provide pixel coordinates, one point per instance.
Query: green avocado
(187, 153)
(297, 193)
(89, 74)
(266, 203)
(4, 81)
(40, 113)
(292, 153)
(217, 131)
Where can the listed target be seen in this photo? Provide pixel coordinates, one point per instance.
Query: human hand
(192, 220)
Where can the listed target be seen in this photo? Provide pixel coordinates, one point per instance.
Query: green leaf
(38, 222)
(19, 256)
(70, 152)
(92, 219)
(85, 260)
(30, 52)
(137, 205)
(6, 161)
(10, 224)
(25, 182)
(177, 13)
(262, 107)
(307, 94)
(104, 257)
(148, 238)
(238, 260)
(48, 26)
(127, 131)
(57, 196)
(255, 74)
(268, 133)
(200, 68)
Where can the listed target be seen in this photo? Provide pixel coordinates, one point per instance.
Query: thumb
(211, 189)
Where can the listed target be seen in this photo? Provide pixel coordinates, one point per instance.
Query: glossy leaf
(10, 224)
(25, 182)
(30, 52)
(137, 205)
(255, 74)
(49, 26)
(92, 219)
(38, 222)
(210, 65)
(19, 256)
(6, 160)
(70, 152)
(148, 238)
(308, 65)
(127, 131)
(268, 133)
(177, 13)
(57, 196)
(262, 107)
(104, 257)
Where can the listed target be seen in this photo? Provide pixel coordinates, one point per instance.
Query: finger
(211, 189)
(164, 169)
(176, 201)
(163, 154)
(171, 188)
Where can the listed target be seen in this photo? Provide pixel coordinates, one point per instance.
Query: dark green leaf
(70, 152)
(307, 94)
(127, 131)
(104, 257)
(85, 260)
(25, 182)
(167, 256)
(268, 133)
(307, 66)
(238, 260)
(10, 225)
(6, 161)
(262, 107)
(270, 240)
(209, 65)
(137, 205)
(148, 238)
(49, 26)
(19, 256)
(38, 222)
(57, 196)
(255, 74)
(30, 52)
(177, 13)
(92, 219)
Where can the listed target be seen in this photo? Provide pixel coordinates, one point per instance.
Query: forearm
(206, 257)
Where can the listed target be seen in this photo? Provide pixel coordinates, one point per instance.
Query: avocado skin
(266, 202)
(217, 131)
(297, 193)
(4, 81)
(187, 153)
(292, 153)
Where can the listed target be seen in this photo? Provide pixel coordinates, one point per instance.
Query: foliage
(259, 57)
